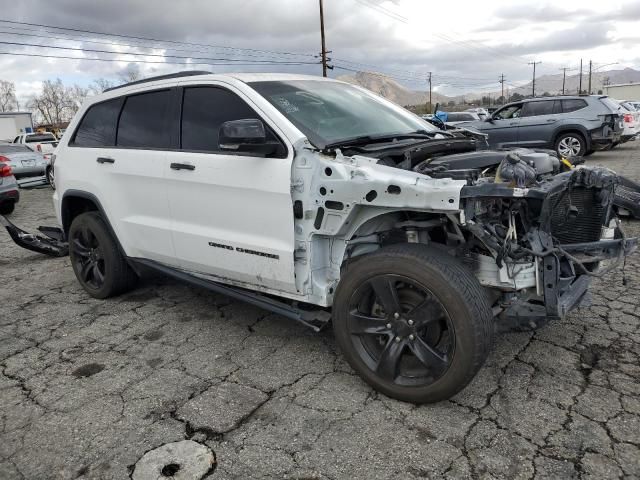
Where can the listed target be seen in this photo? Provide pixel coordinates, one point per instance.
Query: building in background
(623, 91)
(13, 124)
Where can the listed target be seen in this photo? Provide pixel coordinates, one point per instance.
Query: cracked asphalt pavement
(88, 387)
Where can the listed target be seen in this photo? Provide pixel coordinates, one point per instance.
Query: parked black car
(570, 125)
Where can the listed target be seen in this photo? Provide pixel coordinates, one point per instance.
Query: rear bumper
(10, 195)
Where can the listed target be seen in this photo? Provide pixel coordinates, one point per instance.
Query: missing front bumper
(53, 243)
(564, 282)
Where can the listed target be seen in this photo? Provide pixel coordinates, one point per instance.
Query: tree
(99, 85)
(8, 100)
(516, 97)
(131, 73)
(546, 94)
(57, 103)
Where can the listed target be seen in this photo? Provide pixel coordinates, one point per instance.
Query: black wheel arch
(75, 202)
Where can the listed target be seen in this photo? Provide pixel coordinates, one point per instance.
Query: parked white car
(44, 143)
(631, 120)
(314, 198)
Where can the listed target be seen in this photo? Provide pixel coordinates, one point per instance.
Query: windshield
(329, 112)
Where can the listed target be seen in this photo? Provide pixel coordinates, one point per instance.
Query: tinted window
(533, 109)
(98, 126)
(40, 137)
(204, 110)
(573, 105)
(143, 121)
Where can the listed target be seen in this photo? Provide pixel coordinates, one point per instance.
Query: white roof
(271, 77)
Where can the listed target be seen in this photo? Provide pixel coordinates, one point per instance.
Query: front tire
(96, 259)
(413, 322)
(570, 145)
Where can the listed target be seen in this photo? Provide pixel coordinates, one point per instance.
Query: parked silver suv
(570, 125)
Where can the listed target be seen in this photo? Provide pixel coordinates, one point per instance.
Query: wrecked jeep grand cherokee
(318, 200)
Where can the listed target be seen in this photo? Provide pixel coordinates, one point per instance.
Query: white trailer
(13, 124)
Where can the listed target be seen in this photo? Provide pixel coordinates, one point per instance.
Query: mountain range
(398, 93)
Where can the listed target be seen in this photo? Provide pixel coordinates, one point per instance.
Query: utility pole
(590, 65)
(580, 84)
(564, 77)
(534, 76)
(502, 86)
(430, 104)
(324, 48)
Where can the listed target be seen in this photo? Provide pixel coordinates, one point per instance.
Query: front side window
(534, 109)
(98, 126)
(143, 122)
(330, 112)
(204, 110)
(512, 111)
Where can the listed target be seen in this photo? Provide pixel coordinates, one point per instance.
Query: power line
(118, 44)
(157, 55)
(442, 36)
(152, 61)
(151, 39)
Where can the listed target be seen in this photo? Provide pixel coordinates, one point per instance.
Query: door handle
(105, 160)
(182, 166)
(512, 124)
(551, 120)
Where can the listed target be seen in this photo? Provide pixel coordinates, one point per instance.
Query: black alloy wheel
(401, 330)
(88, 258)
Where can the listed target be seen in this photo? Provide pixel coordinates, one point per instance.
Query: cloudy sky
(467, 44)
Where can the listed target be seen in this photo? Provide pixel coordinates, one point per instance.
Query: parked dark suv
(571, 125)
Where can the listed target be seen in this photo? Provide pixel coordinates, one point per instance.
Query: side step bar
(314, 319)
(54, 243)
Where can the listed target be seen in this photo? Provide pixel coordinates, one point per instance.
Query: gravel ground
(89, 387)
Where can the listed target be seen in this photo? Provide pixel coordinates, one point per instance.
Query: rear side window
(143, 122)
(204, 110)
(98, 126)
(534, 109)
(573, 105)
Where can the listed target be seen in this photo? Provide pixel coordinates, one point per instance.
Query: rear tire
(7, 207)
(436, 341)
(96, 259)
(570, 145)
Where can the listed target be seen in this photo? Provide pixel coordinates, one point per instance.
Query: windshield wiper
(368, 139)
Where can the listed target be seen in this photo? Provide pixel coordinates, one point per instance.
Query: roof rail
(186, 73)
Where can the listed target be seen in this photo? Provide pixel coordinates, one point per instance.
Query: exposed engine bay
(534, 228)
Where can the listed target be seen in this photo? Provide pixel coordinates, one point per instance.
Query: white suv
(317, 199)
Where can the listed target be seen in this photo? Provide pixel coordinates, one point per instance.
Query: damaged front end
(538, 243)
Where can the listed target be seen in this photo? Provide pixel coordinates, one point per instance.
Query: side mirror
(245, 136)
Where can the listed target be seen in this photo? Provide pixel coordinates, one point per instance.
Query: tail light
(5, 170)
(628, 118)
(39, 148)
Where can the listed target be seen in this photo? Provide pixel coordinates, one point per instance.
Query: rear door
(232, 212)
(538, 122)
(120, 148)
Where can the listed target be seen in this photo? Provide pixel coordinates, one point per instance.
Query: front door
(232, 212)
(502, 127)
